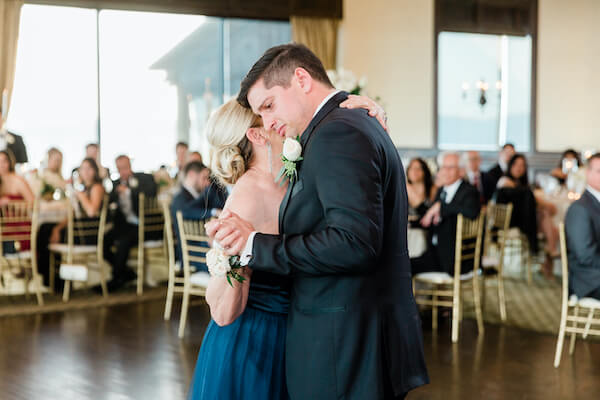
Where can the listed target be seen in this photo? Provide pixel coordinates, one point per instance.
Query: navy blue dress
(246, 360)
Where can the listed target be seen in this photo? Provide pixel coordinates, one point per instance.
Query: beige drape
(319, 35)
(10, 14)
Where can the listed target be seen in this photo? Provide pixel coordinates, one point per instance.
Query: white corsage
(292, 151)
(222, 265)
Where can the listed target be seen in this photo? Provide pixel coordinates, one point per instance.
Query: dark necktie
(443, 196)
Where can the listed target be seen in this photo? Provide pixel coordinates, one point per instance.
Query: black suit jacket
(145, 184)
(494, 174)
(465, 202)
(353, 326)
(17, 148)
(582, 225)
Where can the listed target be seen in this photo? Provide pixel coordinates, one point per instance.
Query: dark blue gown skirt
(244, 360)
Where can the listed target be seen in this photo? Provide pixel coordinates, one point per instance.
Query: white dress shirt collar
(325, 100)
(451, 190)
(594, 192)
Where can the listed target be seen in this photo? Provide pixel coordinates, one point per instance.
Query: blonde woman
(242, 354)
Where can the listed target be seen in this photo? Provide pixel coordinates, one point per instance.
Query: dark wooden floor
(129, 352)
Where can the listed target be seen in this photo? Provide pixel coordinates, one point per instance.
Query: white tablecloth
(417, 241)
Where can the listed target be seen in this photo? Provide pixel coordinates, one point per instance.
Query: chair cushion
(77, 249)
(489, 261)
(200, 278)
(22, 255)
(153, 244)
(441, 277)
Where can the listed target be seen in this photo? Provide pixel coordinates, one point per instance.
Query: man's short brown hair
(277, 66)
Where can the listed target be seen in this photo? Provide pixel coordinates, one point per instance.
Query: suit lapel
(333, 103)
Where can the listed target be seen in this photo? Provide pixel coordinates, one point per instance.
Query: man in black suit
(482, 181)
(455, 197)
(194, 200)
(12, 142)
(499, 169)
(124, 206)
(354, 331)
(582, 225)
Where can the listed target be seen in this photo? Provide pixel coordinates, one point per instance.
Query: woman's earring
(270, 157)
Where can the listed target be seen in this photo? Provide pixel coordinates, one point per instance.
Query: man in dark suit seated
(582, 225)
(482, 181)
(195, 200)
(13, 143)
(498, 170)
(454, 197)
(124, 206)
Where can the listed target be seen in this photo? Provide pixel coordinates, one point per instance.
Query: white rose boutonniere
(133, 182)
(292, 151)
(220, 264)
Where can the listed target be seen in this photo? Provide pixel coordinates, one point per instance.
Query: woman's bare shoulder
(246, 196)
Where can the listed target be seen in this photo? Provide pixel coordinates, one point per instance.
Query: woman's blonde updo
(230, 150)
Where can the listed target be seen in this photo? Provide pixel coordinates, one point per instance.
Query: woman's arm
(227, 303)
(375, 110)
(92, 204)
(25, 190)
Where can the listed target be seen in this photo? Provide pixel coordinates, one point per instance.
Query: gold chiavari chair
(18, 223)
(497, 224)
(571, 306)
(79, 232)
(194, 245)
(444, 290)
(175, 284)
(151, 223)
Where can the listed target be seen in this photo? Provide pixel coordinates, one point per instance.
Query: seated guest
(582, 225)
(517, 182)
(560, 172)
(195, 156)
(454, 197)
(92, 150)
(498, 170)
(124, 202)
(12, 186)
(12, 142)
(420, 190)
(88, 206)
(181, 154)
(482, 181)
(52, 174)
(193, 200)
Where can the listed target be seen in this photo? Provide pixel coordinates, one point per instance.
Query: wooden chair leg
(184, 310)
(170, 290)
(561, 339)
(38, 288)
(434, 312)
(455, 317)
(103, 280)
(574, 334)
(140, 271)
(477, 301)
(588, 323)
(66, 291)
(501, 298)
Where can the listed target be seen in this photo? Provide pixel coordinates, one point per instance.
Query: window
(159, 75)
(484, 91)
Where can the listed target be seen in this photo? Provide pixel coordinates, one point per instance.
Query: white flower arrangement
(221, 265)
(133, 182)
(344, 79)
(292, 151)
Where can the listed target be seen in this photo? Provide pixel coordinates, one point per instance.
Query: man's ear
(303, 79)
(256, 135)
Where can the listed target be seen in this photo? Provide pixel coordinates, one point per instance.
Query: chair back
(85, 230)
(194, 242)
(151, 217)
(18, 223)
(469, 233)
(497, 224)
(564, 262)
(169, 234)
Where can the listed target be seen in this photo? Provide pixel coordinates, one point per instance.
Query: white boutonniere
(133, 182)
(292, 151)
(10, 139)
(220, 264)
